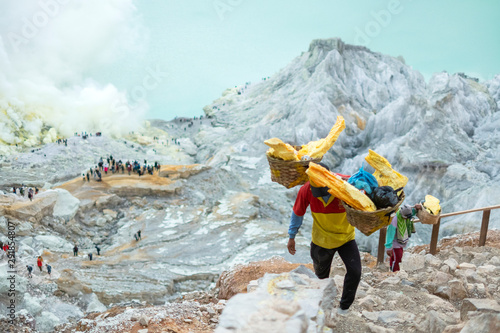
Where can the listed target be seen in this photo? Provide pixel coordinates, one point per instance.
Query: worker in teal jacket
(398, 234)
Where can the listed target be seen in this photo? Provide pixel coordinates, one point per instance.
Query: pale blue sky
(203, 47)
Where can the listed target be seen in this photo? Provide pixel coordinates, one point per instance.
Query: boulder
(46, 321)
(23, 228)
(457, 290)
(138, 188)
(474, 304)
(66, 205)
(390, 317)
(110, 213)
(32, 305)
(94, 305)
(144, 321)
(451, 263)
(436, 322)
(412, 262)
(108, 201)
(236, 280)
(483, 323)
(181, 171)
(280, 304)
(466, 266)
(487, 270)
(41, 206)
(52, 243)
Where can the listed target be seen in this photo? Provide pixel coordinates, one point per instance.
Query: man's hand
(389, 252)
(418, 206)
(291, 246)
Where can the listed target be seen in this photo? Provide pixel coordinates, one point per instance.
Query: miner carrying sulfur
(331, 233)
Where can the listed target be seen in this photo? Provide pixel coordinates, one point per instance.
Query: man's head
(324, 166)
(405, 211)
(319, 191)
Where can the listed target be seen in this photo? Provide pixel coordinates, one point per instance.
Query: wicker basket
(369, 222)
(427, 218)
(289, 173)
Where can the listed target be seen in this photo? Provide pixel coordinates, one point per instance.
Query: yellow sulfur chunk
(316, 149)
(431, 204)
(384, 173)
(281, 150)
(339, 188)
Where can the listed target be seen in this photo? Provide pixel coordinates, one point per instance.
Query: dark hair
(324, 166)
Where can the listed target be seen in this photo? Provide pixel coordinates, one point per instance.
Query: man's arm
(389, 238)
(293, 229)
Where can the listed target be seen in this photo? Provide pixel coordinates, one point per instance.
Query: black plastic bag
(384, 196)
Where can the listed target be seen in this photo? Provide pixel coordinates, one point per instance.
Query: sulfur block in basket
(340, 188)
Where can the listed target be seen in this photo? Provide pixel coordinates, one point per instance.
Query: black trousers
(349, 253)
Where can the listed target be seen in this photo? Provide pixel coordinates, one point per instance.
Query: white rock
(494, 261)
(66, 205)
(432, 260)
(32, 305)
(252, 286)
(144, 320)
(466, 265)
(487, 270)
(101, 221)
(95, 305)
(445, 269)
(110, 213)
(412, 262)
(52, 243)
(392, 280)
(451, 263)
(46, 321)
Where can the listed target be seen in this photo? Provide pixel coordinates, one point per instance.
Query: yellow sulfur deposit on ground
(384, 173)
(340, 188)
(312, 150)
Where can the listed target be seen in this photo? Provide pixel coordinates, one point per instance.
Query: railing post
(381, 245)
(484, 227)
(434, 237)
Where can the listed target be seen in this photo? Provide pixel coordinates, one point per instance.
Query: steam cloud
(47, 50)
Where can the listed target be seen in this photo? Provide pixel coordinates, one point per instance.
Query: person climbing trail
(30, 269)
(39, 263)
(49, 269)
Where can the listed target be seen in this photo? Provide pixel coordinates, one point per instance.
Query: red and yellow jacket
(330, 227)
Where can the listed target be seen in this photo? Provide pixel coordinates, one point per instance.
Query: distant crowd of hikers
(111, 165)
(90, 254)
(40, 262)
(24, 190)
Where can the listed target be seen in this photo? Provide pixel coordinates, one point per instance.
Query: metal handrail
(435, 230)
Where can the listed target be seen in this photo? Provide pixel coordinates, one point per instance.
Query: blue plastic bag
(363, 180)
